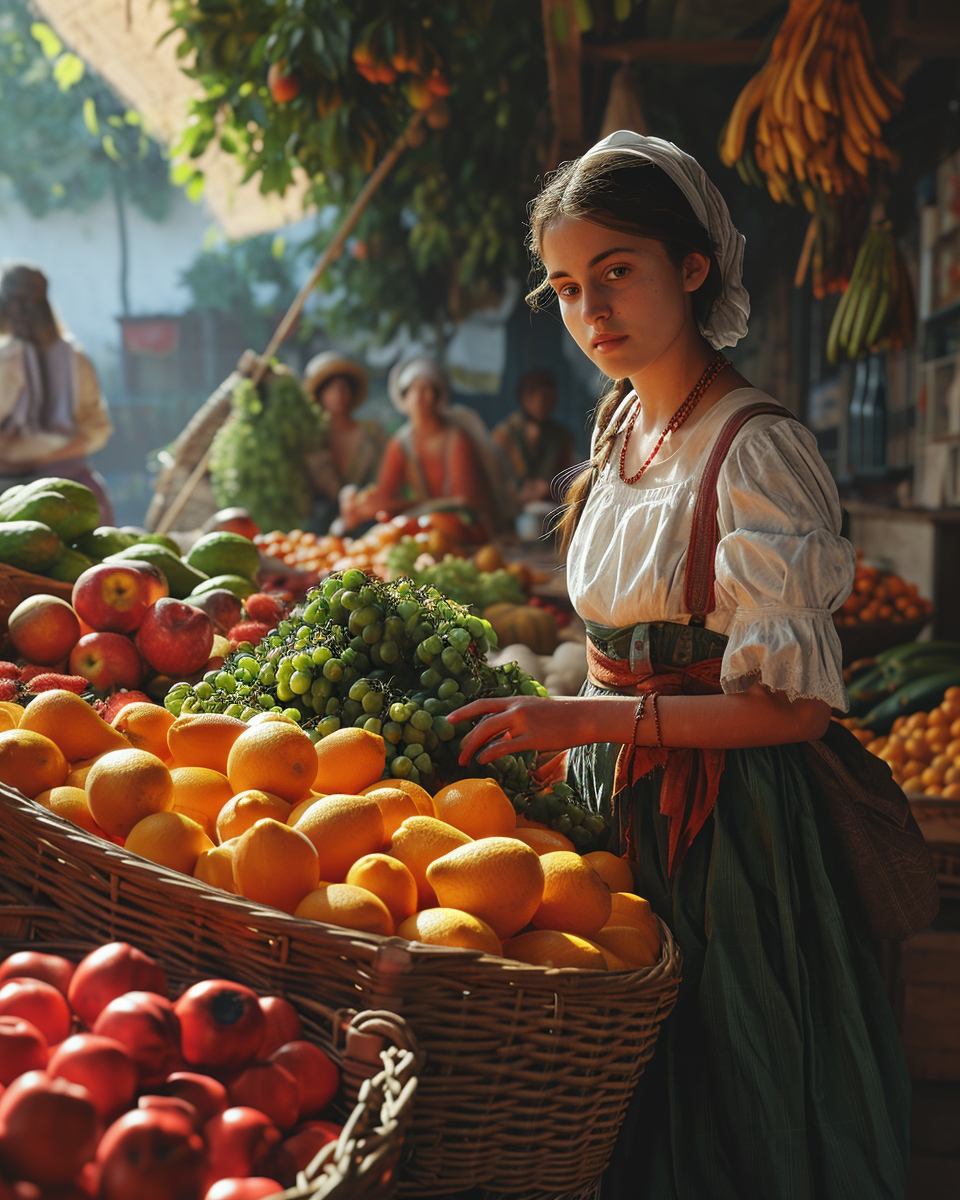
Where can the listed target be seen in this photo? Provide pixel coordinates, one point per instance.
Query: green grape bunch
(458, 578)
(394, 659)
(257, 459)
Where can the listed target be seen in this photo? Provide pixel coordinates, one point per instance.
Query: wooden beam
(714, 53)
(561, 36)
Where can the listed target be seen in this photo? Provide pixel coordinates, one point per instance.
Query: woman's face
(336, 397)
(622, 299)
(420, 399)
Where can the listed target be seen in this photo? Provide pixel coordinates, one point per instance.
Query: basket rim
(62, 834)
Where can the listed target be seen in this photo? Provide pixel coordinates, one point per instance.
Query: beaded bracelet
(654, 696)
(638, 716)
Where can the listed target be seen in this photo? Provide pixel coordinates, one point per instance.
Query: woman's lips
(609, 343)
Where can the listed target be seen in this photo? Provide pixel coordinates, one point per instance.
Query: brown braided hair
(618, 191)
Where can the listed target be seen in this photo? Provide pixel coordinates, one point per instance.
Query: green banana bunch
(871, 300)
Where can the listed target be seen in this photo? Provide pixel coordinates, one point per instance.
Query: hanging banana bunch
(876, 310)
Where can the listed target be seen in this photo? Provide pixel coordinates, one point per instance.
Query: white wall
(80, 253)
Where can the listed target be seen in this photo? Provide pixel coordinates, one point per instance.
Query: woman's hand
(517, 723)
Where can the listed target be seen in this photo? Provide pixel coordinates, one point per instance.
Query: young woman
(52, 412)
(779, 1075)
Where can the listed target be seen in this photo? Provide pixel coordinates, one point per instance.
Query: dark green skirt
(780, 1074)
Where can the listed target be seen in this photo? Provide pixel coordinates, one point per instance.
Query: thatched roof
(119, 40)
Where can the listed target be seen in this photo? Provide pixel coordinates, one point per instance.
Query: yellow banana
(796, 143)
(869, 89)
(746, 104)
(798, 38)
(814, 122)
(779, 148)
(799, 79)
(822, 86)
(851, 123)
(763, 156)
(763, 126)
(852, 154)
(867, 115)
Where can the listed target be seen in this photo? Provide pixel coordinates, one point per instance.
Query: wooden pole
(332, 252)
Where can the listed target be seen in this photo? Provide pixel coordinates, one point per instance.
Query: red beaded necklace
(678, 418)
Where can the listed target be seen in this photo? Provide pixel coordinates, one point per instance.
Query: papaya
(240, 586)
(103, 541)
(225, 553)
(181, 578)
(160, 539)
(75, 513)
(69, 566)
(29, 546)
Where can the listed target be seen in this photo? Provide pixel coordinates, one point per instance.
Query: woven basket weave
(528, 1071)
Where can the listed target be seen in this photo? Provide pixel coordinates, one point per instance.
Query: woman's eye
(568, 289)
(617, 272)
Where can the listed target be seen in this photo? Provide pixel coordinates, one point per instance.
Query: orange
(145, 726)
(242, 811)
(8, 721)
(295, 813)
(389, 879)
(30, 762)
(575, 898)
(545, 841)
(636, 947)
(169, 839)
(420, 796)
(200, 789)
(80, 770)
(477, 806)
(71, 804)
(450, 927)
(614, 871)
(70, 722)
(215, 866)
(348, 761)
(395, 806)
(346, 905)
(263, 717)
(498, 879)
(276, 757)
(125, 786)
(343, 829)
(551, 948)
(420, 841)
(627, 908)
(203, 740)
(13, 711)
(613, 961)
(276, 865)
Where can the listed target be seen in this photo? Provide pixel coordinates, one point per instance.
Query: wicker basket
(528, 1070)
(29, 584)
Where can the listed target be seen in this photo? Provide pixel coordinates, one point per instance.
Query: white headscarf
(727, 322)
(403, 374)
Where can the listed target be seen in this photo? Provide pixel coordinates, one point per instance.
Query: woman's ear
(695, 269)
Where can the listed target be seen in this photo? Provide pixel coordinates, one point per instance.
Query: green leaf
(68, 70)
(115, 121)
(279, 246)
(110, 147)
(181, 173)
(558, 23)
(132, 118)
(50, 44)
(195, 187)
(90, 116)
(584, 15)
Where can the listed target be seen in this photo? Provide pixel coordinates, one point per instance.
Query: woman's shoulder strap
(699, 593)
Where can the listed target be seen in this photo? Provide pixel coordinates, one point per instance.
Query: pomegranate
(22, 1048)
(283, 1024)
(39, 1003)
(269, 1088)
(222, 1024)
(30, 964)
(306, 1143)
(252, 1188)
(111, 971)
(317, 1076)
(239, 1141)
(207, 1095)
(49, 1129)
(103, 1066)
(148, 1154)
(147, 1026)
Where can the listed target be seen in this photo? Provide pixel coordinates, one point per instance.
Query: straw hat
(403, 374)
(325, 366)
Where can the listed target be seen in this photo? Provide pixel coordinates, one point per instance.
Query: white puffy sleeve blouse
(782, 567)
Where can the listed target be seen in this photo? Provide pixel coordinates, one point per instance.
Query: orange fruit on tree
(346, 905)
(479, 807)
(203, 740)
(343, 829)
(30, 762)
(389, 879)
(276, 865)
(545, 841)
(215, 866)
(636, 947)
(242, 811)
(69, 721)
(613, 870)
(145, 726)
(169, 839)
(80, 770)
(575, 898)
(420, 841)
(553, 948)
(275, 757)
(450, 927)
(201, 790)
(498, 879)
(348, 761)
(420, 796)
(395, 806)
(125, 786)
(71, 804)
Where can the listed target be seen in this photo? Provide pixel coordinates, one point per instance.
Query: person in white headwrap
(712, 656)
(52, 412)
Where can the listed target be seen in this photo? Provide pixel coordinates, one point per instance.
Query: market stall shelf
(528, 1071)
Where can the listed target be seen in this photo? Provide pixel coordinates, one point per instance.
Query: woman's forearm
(755, 717)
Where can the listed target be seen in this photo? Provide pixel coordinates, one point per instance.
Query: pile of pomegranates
(111, 1091)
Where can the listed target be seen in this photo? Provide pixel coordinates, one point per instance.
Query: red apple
(222, 607)
(44, 629)
(283, 83)
(108, 660)
(175, 638)
(112, 596)
(158, 581)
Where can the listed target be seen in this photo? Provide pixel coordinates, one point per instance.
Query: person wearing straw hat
(438, 455)
(713, 659)
(354, 449)
(52, 412)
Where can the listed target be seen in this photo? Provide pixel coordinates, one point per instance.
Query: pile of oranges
(881, 596)
(923, 750)
(257, 809)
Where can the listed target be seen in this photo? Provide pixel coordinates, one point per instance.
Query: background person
(538, 446)
(52, 412)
